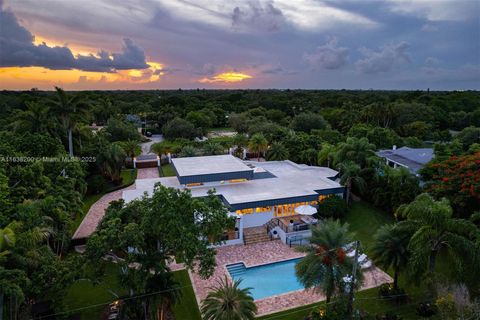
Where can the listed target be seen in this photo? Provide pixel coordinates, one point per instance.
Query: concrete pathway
(153, 139)
(97, 210)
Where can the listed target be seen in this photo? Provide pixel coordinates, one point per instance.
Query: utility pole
(352, 282)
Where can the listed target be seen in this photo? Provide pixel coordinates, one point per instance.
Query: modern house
(263, 196)
(411, 158)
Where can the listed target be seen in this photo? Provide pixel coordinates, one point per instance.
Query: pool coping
(282, 302)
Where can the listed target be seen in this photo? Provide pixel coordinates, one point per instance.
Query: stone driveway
(268, 252)
(97, 210)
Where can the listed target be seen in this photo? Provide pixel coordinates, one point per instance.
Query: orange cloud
(43, 78)
(226, 77)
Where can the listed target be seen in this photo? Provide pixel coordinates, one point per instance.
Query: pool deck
(264, 253)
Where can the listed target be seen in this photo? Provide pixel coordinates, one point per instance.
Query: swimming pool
(267, 280)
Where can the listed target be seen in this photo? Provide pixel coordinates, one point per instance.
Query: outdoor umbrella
(306, 210)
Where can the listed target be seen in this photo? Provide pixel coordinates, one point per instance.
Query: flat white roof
(193, 166)
(290, 180)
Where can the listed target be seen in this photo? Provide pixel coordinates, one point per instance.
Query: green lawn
(167, 170)
(364, 220)
(186, 308)
(83, 294)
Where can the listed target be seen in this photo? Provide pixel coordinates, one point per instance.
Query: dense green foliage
(41, 199)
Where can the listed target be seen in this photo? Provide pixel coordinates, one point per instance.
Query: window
(263, 209)
(322, 197)
(237, 180)
(244, 211)
(194, 184)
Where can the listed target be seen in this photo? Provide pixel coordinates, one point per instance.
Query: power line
(107, 303)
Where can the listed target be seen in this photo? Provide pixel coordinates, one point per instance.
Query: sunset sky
(311, 44)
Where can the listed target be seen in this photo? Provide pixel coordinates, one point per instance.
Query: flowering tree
(457, 179)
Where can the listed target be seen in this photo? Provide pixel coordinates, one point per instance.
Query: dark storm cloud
(18, 50)
(384, 59)
(328, 56)
(266, 17)
(283, 38)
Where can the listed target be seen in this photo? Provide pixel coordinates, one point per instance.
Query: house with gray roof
(262, 196)
(411, 158)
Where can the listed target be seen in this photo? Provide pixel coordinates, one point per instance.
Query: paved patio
(268, 252)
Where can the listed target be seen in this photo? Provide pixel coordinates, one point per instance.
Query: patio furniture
(351, 254)
(362, 258)
(309, 220)
(366, 264)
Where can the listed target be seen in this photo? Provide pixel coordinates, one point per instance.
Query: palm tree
(110, 160)
(132, 148)
(188, 151)
(227, 301)
(277, 151)
(433, 228)
(34, 119)
(359, 151)
(161, 148)
(326, 262)
(350, 176)
(309, 156)
(212, 148)
(240, 140)
(69, 111)
(326, 154)
(257, 144)
(12, 282)
(390, 249)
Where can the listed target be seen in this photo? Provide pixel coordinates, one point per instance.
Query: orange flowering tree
(457, 179)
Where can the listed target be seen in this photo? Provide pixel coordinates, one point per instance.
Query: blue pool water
(267, 280)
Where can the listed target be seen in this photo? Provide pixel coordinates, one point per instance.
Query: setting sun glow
(226, 77)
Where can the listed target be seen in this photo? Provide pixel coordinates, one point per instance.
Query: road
(153, 139)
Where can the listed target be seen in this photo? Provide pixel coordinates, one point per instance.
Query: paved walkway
(153, 139)
(268, 252)
(97, 210)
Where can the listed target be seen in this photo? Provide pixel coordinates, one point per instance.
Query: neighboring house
(411, 158)
(263, 196)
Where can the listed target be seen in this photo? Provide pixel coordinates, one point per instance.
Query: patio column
(240, 229)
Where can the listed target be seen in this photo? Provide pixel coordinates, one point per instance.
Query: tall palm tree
(110, 160)
(350, 176)
(12, 282)
(434, 230)
(35, 119)
(389, 249)
(69, 110)
(326, 262)
(277, 151)
(258, 144)
(227, 301)
(326, 154)
(359, 151)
